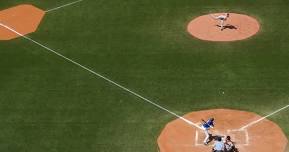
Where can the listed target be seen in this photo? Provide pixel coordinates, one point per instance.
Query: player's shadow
(214, 138)
(229, 26)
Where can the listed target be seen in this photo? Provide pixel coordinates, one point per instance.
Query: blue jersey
(208, 124)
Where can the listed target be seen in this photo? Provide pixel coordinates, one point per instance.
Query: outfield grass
(50, 105)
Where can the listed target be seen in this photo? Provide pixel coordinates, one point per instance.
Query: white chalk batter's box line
(246, 142)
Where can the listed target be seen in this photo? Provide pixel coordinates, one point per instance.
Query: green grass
(49, 104)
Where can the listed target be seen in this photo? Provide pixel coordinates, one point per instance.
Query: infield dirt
(264, 136)
(22, 18)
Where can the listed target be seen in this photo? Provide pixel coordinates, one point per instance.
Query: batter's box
(240, 137)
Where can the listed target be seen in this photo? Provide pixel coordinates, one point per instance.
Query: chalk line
(103, 77)
(196, 138)
(247, 137)
(59, 7)
(259, 120)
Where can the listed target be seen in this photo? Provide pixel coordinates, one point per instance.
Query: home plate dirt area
(264, 136)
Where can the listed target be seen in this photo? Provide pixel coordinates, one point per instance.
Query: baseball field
(49, 104)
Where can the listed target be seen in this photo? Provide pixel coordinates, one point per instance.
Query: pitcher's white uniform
(222, 19)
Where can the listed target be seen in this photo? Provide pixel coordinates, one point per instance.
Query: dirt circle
(264, 136)
(237, 27)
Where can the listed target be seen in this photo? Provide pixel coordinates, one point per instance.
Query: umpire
(219, 145)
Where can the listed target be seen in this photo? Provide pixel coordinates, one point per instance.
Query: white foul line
(101, 76)
(257, 121)
(56, 8)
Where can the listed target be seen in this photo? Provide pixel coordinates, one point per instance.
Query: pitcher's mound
(237, 27)
(264, 136)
